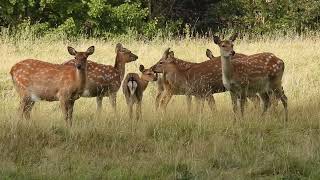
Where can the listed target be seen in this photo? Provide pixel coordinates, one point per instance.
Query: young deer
(259, 73)
(183, 65)
(133, 87)
(37, 80)
(197, 80)
(105, 80)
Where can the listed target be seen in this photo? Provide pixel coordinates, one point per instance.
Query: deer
(105, 80)
(196, 79)
(183, 65)
(255, 99)
(36, 80)
(133, 87)
(255, 74)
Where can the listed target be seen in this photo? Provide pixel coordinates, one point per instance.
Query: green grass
(177, 145)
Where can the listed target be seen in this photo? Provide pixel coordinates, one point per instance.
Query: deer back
(257, 66)
(46, 81)
(43, 79)
(101, 79)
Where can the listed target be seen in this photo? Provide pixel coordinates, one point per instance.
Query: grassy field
(177, 145)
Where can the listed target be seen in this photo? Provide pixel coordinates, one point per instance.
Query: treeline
(150, 18)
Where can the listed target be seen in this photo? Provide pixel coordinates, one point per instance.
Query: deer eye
(223, 46)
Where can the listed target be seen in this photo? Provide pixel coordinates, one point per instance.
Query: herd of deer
(257, 77)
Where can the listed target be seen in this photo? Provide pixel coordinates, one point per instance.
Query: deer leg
(113, 100)
(130, 107)
(200, 104)
(234, 101)
(28, 109)
(70, 111)
(139, 111)
(255, 100)
(266, 101)
(211, 102)
(273, 100)
(158, 99)
(279, 93)
(67, 109)
(243, 100)
(189, 101)
(99, 103)
(25, 108)
(165, 100)
(22, 107)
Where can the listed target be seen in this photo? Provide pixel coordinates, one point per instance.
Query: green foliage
(130, 16)
(267, 16)
(165, 18)
(68, 28)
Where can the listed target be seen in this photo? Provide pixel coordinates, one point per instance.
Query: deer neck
(144, 83)
(227, 71)
(120, 66)
(81, 78)
(176, 76)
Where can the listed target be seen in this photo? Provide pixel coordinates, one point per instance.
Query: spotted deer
(105, 80)
(38, 80)
(183, 65)
(254, 74)
(254, 98)
(133, 87)
(197, 79)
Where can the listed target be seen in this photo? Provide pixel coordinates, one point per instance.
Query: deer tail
(132, 85)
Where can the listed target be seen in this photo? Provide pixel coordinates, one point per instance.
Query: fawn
(133, 87)
(183, 65)
(198, 79)
(38, 80)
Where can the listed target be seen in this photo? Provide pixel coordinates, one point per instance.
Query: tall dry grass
(177, 145)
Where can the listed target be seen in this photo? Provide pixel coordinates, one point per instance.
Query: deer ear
(171, 54)
(165, 54)
(209, 54)
(141, 68)
(216, 40)
(72, 51)
(90, 50)
(233, 37)
(118, 47)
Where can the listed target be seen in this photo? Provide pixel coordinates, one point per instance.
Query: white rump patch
(86, 93)
(34, 97)
(132, 85)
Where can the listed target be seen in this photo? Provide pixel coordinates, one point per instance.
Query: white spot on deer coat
(34, 97)
(86, 93)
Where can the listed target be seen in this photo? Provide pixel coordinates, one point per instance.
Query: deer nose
(78, 66)
(155, 77)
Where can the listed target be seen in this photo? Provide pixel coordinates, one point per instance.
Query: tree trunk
(150, 9)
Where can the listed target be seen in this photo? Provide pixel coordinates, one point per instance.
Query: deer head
(125, 54)
(81, 57)
(226, 46)
(148, 74)
(167, 61)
